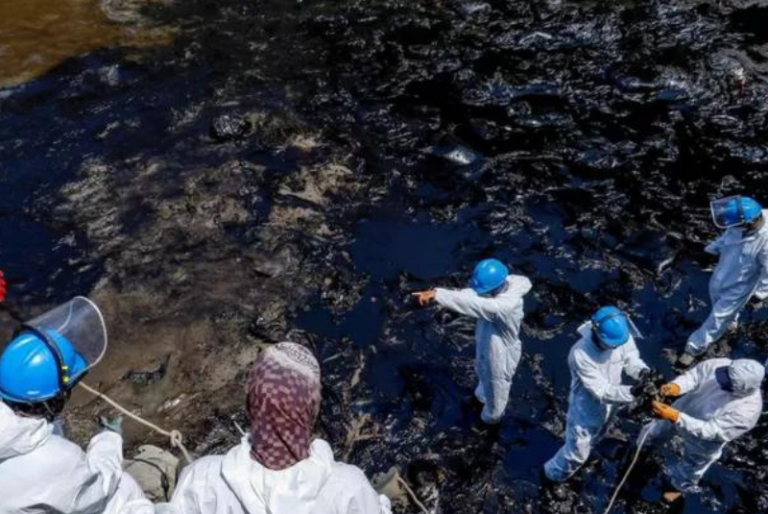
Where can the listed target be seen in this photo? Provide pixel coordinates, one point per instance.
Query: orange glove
(424, 297)
(671, 390)
(664, 411)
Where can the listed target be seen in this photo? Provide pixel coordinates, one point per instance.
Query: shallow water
(593, 137)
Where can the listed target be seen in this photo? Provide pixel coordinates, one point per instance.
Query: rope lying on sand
(176, 437)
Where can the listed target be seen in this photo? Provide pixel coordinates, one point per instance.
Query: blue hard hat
(735, 210)
(489, 274)
(32, 371)
(611, 326)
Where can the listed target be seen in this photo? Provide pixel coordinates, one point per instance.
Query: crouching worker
(495, 299)
(40, 470)
(720, 400)
(597, 361)
(278, 468)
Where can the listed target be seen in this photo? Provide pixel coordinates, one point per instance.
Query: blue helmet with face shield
(611, 327)
(39, 366)
(734, 211)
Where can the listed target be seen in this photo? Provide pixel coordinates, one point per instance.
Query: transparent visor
(78, 322)
(727, 212)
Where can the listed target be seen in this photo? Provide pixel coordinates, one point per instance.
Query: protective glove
(671, 390)
(647, 386)
(3, 287)
(113, 424)
(425, 297)
(643, 381)
(666, 412)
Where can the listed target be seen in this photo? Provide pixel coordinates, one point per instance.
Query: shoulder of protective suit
(203, 469)
(519, 285)
(581, 352)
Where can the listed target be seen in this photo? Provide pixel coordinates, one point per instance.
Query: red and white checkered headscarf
(283, 401)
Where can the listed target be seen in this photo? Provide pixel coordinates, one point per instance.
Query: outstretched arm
(469, 303)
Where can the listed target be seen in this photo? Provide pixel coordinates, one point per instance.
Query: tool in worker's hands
(425, 297)
(645, 391)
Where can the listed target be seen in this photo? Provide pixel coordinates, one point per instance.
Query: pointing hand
(424, 297)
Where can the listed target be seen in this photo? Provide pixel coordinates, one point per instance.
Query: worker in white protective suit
(605, 352)
(278, 468)
(742, 271)
(41, 471)
(495, 299)
(720, 401)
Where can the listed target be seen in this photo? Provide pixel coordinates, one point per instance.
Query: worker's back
(236, 483)
(42, 473)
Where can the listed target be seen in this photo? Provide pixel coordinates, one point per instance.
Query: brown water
(38, 35)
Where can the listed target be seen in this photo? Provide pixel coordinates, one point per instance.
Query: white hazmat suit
(46, 474)
(741, 272)
(497, 335)
(596, 393)
(710, 417)
(237, 484)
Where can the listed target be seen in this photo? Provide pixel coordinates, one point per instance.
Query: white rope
(626, 474)
(176, 437)
(413, 495)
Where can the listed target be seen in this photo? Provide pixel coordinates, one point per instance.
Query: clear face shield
(728, 212)
(77, 326)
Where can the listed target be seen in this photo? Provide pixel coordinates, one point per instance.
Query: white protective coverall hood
(710, 417)
(237, 484)
(596, 393)
(741, 272)
(43, 473)
(497, 335)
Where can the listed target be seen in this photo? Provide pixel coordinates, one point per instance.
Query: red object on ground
(3, 286)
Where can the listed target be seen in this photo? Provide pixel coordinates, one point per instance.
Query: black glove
(643, 384)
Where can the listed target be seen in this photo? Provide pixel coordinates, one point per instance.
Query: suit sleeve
(723, 428)
(715, 246)
(690, 380)
(633, 363)
(98, 477)
(596, 384)
(762, 286)
(365, 500)
(469, 303)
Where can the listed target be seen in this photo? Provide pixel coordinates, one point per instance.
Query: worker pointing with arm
(719, 401)
(605, 352)
(495, 299)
